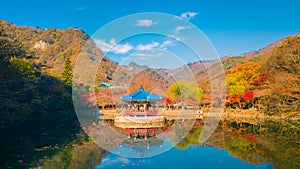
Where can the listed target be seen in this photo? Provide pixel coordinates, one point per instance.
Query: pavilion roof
(141, 95)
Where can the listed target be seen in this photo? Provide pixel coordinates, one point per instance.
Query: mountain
(133, 75)
(26, 91)
(32, 63)
(48, 49)
(46, 53)
(264, 50)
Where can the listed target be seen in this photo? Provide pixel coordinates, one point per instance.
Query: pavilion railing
(130, 112)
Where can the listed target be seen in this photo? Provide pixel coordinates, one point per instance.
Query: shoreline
(227, 114)
(254, 114)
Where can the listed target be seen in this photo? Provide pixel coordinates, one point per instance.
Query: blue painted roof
(105, 84)
(141, 95)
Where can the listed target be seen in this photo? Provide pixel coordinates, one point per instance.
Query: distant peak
(132, 64)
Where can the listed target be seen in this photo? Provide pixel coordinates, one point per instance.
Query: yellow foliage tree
(235, 84)
(186, 92)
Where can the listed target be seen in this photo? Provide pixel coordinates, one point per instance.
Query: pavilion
(140, 103)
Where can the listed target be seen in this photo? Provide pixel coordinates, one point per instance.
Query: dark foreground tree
(68, 72)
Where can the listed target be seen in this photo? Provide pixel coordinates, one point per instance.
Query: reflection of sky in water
(143, 151)
(191, 158)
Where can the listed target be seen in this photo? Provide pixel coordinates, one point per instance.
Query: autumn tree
(235, 84)
(187, 92)
(9, 46)
(241, 81)
(283, 68)
(248, 71)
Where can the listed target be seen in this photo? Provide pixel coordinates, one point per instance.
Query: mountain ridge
(48, 50)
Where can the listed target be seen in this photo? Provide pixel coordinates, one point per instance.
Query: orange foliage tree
(240, 83)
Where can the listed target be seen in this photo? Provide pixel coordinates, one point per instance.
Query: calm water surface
(233, 145)
(190, 158)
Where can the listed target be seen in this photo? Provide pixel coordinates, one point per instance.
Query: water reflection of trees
(270, 142)
(192, 138)
(76, 156)
(283, 143)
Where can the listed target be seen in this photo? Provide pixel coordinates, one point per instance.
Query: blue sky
(233, 26)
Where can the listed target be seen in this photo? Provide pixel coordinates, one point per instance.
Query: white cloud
(143, 57)
(149, 46)
(188, 15)
(145, 23)
(121, 49)
(113, 47)
(178, 29)
(166, 44)
(117, 48)
(155, 58)
(142, 54)
(151, 54)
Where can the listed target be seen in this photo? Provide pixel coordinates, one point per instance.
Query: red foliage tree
(260, 80)
(167, 100)
(248, 96)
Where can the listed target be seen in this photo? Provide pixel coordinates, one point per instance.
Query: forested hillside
(282, 67)
(26, 91)
(269, 82)
(36, 73)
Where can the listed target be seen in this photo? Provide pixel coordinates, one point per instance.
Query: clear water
(191, 158)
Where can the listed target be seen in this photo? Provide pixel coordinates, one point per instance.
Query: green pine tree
(68, 72)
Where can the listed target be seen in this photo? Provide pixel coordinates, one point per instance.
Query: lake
(234, 144)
